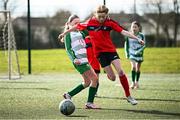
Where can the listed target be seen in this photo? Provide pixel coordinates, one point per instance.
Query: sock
(137, 76)
(76, 90)
(125, 84)
(133, 73)
(97, 87)
(92, 92)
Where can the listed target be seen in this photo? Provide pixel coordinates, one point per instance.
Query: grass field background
(37, 96)
(156, 60)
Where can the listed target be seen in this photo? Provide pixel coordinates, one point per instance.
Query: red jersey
(93, 61)
(100, 34)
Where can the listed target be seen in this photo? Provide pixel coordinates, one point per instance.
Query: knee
(94, 80)
(111, 77)
(133, 68)
(138, 69)
(121, 73)
(86, 84)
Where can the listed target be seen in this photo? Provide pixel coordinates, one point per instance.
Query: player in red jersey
(99, 27)
(93, 61)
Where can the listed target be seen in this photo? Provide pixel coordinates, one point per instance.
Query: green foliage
(38, 97)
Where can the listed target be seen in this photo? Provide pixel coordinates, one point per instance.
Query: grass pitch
(156, 60)
(38, 97)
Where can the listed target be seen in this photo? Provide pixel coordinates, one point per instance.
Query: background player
(134, 52)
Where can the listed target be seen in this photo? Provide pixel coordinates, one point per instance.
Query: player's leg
(123, 80)
(86, 82)
(138, 72)
(97, 87)
(77, 89)
(133, 73)
(96, 66)
(91, 75)
(110, 73)
(122, 77)
(105, 61)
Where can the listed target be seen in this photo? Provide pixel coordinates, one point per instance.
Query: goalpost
(9, 63)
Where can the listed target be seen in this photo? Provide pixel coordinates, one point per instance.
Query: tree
(176, 5)
(5, 3)
(57, 24)
(8, 5)
(156, 6)
(59, 19)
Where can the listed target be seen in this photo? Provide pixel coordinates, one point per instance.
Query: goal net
(9, 64)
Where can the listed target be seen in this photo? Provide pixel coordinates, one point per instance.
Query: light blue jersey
(133, 49)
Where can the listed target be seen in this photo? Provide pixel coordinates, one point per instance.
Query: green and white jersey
(75, 46)
(133, 49)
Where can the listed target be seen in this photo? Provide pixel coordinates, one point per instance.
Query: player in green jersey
(134, 52)
(75, 48)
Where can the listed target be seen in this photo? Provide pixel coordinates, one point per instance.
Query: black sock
(137, 76)
(133, 73)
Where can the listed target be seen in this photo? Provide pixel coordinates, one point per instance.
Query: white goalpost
(9, 63)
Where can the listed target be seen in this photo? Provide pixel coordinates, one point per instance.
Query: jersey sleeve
(126, 47)
(68, 47)
(81, 26)
(116, 26)
(144, 39)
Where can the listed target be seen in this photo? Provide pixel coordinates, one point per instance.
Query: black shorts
(105, 58)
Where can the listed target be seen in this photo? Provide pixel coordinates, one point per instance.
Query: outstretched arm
(65, 32)
(128, 34)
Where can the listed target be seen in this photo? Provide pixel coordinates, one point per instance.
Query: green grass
(38, 97)
(156, 60)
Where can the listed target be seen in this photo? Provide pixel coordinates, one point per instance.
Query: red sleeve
(116, 26)
(81, 26)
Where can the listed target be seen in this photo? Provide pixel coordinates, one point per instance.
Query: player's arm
(144, 39)
(126, 46)
(65, 32)
(80, 26)
(68, 47)
(140, 50)
(128, 34)
(69, 50)
(118, 28)
(144, 46)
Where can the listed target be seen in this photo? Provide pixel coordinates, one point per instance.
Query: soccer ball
(66, 107)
